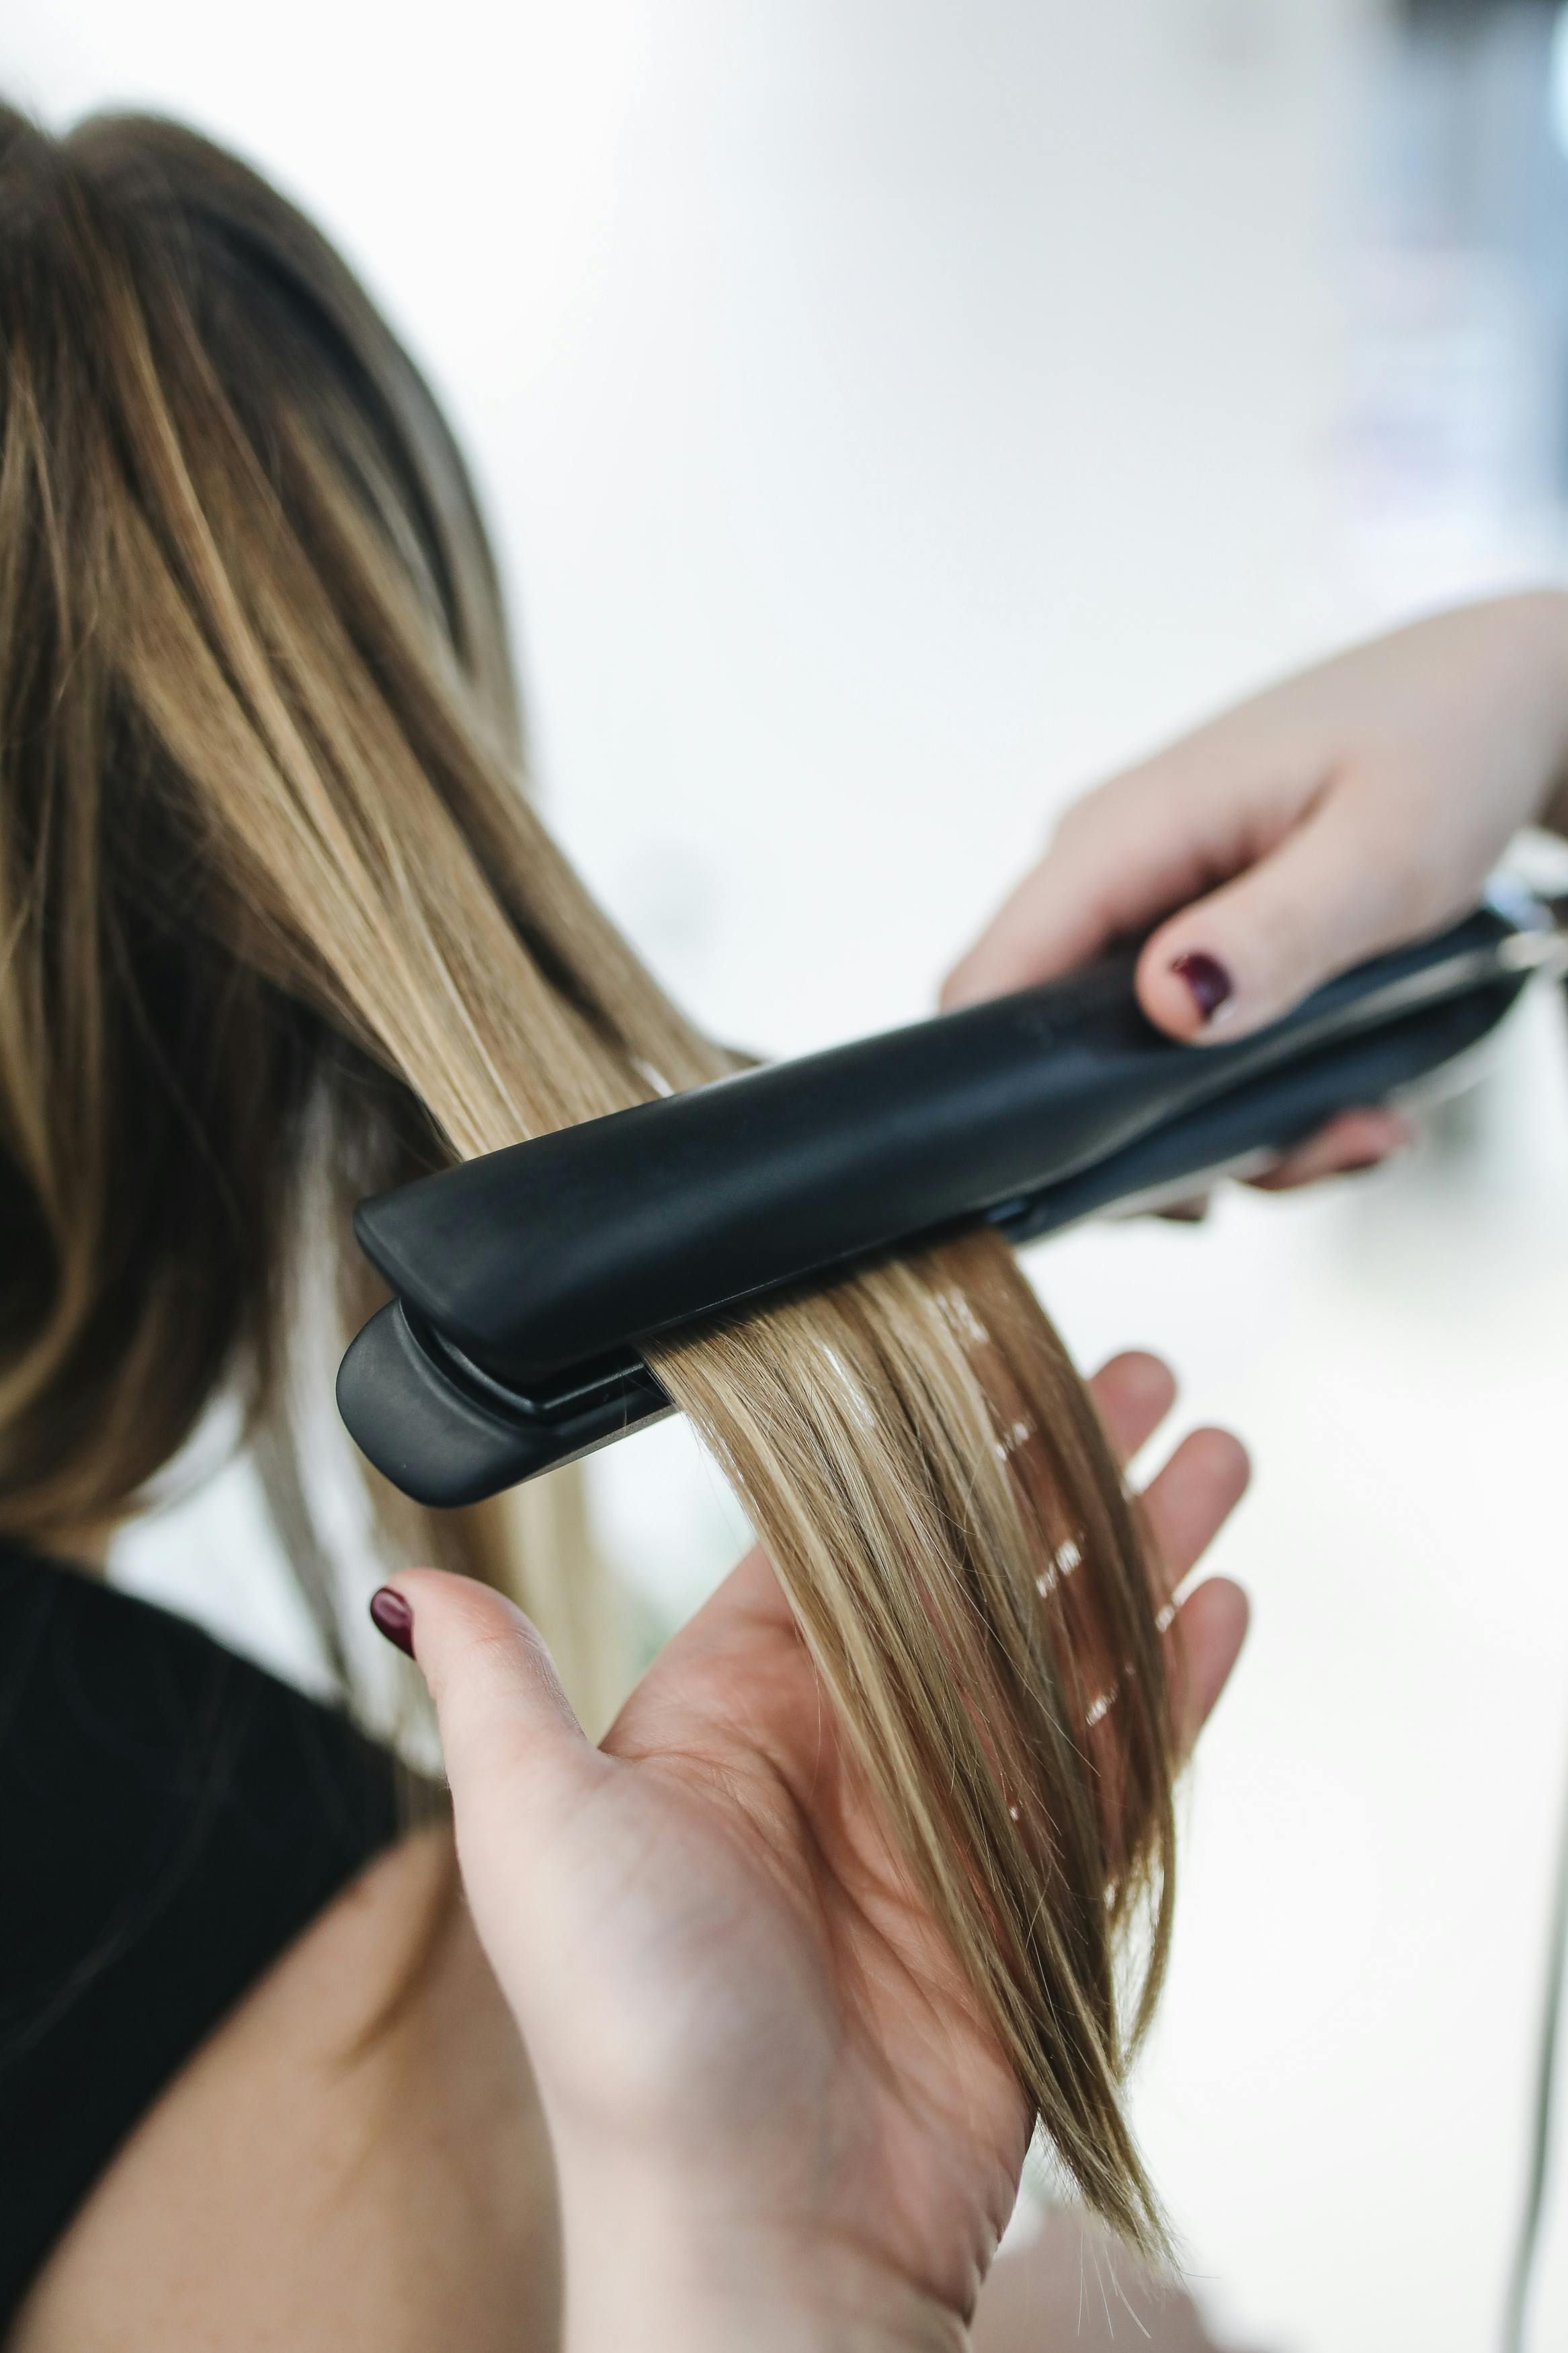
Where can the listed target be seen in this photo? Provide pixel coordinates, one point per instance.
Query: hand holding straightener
(1355, 807)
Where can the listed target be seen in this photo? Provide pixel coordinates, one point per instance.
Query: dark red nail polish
(1207, 979)
(393, 1617)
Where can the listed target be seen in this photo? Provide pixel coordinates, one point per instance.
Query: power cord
(1527, 2248)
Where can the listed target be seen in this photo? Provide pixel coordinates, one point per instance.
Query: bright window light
(1557, 91)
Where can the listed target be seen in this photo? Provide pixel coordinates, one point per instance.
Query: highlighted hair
(277, 920)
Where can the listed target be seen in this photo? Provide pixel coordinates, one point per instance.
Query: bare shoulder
(354, 2159)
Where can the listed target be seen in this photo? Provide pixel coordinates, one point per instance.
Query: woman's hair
(279, 927)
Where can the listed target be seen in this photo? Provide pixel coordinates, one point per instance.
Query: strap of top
(171, 1817)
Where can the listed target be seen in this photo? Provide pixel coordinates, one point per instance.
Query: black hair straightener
(527, 1280)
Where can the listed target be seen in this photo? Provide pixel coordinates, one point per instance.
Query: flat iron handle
(1268, 1115)
(560, 1250)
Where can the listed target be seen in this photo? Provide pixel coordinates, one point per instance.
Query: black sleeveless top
(171, 1817)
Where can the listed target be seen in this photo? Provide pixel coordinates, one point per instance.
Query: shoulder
(171, 1818)
(353, 2159)
(254, 2072)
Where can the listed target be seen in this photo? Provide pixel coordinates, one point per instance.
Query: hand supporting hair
(778, 2117)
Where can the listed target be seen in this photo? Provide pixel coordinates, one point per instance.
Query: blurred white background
(893, 414)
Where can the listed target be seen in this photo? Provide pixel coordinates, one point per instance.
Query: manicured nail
(393, 1617)
(1208, 980)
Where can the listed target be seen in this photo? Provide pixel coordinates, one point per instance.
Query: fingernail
(393, 1617)
(1208, 980)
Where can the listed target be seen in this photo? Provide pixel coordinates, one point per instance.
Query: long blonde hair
(276, 914)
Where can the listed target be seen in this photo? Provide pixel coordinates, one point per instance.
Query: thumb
(1337, 889)
(510, 1739)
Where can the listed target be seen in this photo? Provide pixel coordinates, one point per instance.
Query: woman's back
(239, 2014)
(318, 2180)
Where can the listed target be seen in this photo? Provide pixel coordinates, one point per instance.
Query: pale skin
(1359, 805)
(761, 2110)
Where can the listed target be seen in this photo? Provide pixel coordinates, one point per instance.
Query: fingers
(1190, 1500)
(1333, 891)
(1356, 1139)
(1202, 1646)
(1185, 1507)
(506, 1724)
(1121, 857)
(1184, 1510)
(1040, 931)
(1190, 1212)
(1132, 1395)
